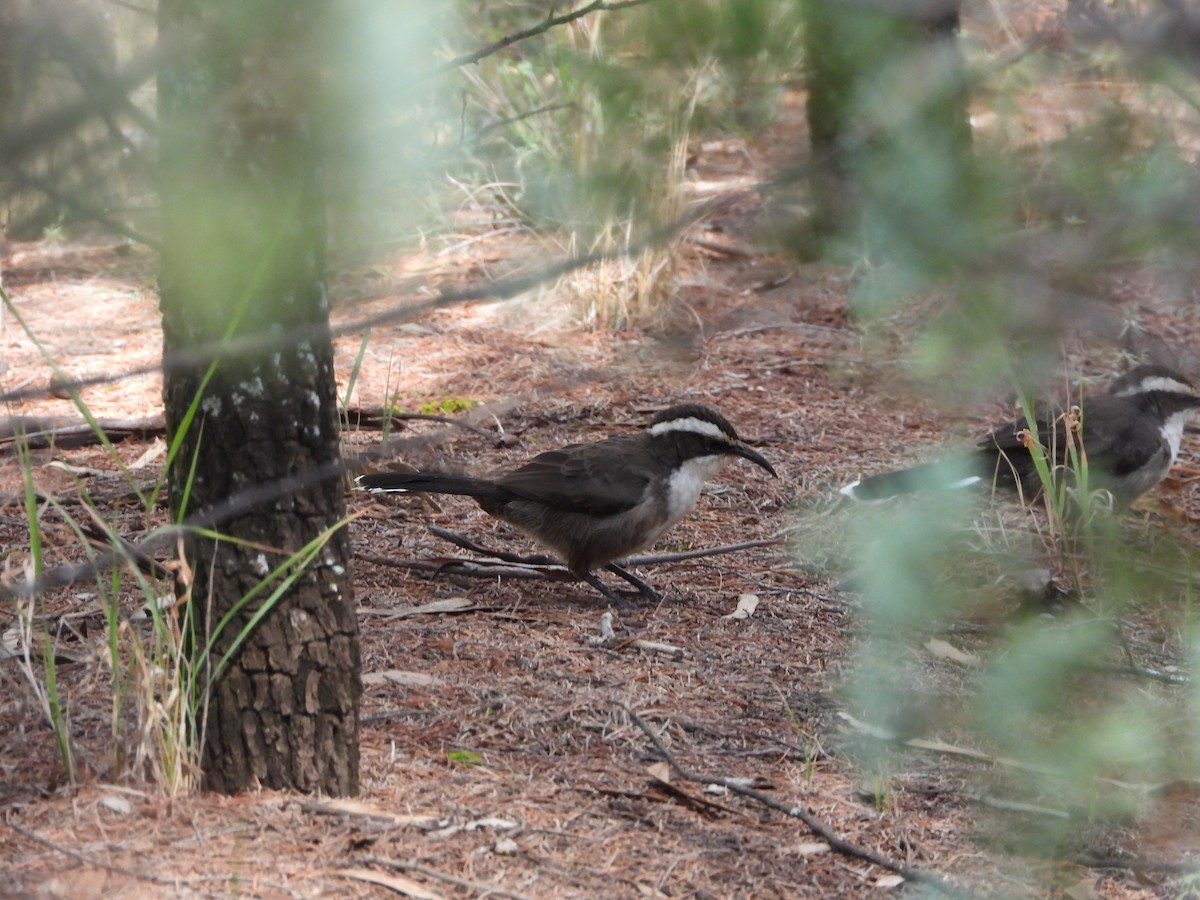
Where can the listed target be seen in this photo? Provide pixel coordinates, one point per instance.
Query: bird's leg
(467, 544)
(608, 592)
(643, 586)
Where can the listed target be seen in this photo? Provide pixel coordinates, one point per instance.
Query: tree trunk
(887, 109)
(243, 257)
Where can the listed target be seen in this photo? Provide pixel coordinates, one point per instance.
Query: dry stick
(815, 825)
(357, 415)
(1135, 865)
(37, 432)
(100, 864)
(1139, 671)
(470, 568)
(508, 40)
(488, 890)
(657, 559)
(210, 517)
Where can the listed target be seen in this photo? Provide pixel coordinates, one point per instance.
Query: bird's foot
(621, 602)
(644, 587)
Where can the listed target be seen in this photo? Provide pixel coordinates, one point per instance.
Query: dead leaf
(118, 805)
(397, 883)
(944, 650)
(812, 848)
(156, 450)
(660, 771)
(889, 881)
(746, 605)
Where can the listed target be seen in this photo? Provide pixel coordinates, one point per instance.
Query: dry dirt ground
(499, 757)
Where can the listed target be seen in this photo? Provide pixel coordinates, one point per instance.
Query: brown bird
(594, 504)
(1130, 435)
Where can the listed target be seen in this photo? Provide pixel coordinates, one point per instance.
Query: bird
(1129, 435)
(594, 504)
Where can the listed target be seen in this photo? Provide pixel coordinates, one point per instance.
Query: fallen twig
(65, 433)
(660, 558)
(375, 417)
(609, 640)
(101, 864)
(466, 543)
(815, 825)
(543, 26)
(472, 568)
(482, 887)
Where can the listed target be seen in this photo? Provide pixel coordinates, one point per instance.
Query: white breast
(685, 484)
(1173, 431)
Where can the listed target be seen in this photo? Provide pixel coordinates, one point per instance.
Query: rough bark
(243, 258)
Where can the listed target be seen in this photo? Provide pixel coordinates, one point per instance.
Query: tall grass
(158, 686)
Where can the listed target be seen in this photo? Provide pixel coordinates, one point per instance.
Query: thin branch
(502, 289)
(471, 568)
(655, 559)
(480, 887)
(1139, 671)
(36, 432)
(81, 208)
(97, 863)
(815, 825)
(211, 517)
(660, 558)
(1135, 865)
(520, 117)
(18, 143)
(369, 417)
(553, 22)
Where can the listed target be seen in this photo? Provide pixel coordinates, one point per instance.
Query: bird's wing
(1120, 448)
(1017, 465)
(1127, 448)
(581, 478)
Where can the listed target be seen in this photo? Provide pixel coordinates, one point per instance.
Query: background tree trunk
(243, 256)
(887, 99)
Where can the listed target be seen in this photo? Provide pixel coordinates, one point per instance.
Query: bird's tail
(940, 475)
(424, 483)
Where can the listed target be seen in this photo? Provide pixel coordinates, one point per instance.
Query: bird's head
(1146, 380)
(694, 431)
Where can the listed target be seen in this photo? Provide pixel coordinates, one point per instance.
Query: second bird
(1130, 435)
(594, 504)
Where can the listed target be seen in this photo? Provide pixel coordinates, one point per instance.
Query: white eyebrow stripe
(1158, 383)
(692, 424)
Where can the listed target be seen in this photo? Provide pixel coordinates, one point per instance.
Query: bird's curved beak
(742, 450)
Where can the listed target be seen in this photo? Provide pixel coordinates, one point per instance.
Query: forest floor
(500, 753)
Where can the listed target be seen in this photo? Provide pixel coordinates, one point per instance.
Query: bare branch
(502, 289)
(507, 41)
(815, 825)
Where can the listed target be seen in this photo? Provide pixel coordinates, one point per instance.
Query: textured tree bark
(243, 258)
